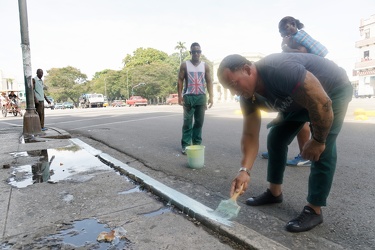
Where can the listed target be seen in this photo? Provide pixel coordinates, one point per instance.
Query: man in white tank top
(192, 96)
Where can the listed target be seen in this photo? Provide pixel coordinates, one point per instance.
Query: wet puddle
(54, 165)
(90, 234)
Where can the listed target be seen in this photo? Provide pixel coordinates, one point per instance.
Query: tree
(110, 83)
(159, 78)
(153, 67)
(65, 83)
(181, 48)
(143, 56)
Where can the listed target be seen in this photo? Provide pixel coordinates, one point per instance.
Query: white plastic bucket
(195, 156)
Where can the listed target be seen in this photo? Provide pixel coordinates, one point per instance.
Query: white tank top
(195, 81)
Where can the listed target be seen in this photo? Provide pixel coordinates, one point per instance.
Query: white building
(220, 93)
(365, 67)
(8, 83)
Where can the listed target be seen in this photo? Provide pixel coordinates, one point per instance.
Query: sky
(93, 35)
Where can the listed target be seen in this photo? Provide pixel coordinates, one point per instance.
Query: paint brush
(229, 209)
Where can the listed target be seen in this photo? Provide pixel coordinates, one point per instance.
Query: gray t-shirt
(284, 73)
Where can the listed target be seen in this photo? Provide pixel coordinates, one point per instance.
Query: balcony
(365, 65)
(366, 42)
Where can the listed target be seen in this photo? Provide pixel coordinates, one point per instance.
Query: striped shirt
(312, 46)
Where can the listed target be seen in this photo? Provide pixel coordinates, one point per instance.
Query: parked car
(105, 104)
(68, 105)
(172, 99)
(51, 105)
(58, 106)
(91, 100)
(136, 101)
(118, 103)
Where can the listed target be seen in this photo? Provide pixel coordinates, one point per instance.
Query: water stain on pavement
(54, 165)
(86, 234)
(133, 190)
(158, 212)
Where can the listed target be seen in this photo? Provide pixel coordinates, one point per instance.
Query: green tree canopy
(65, 83)
(143, 56)
(155, 68)
(109, 83)
(160, 79)
(181, 49)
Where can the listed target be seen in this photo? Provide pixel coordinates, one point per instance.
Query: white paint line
(175, 196)
(127, 121)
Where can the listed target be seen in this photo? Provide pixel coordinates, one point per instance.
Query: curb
(240, 234)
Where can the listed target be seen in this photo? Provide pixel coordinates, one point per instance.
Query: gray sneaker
(183, 151)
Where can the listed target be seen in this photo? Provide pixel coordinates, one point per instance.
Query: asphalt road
(152, 135)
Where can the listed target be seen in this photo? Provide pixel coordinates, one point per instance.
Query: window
(367, 34)
(366, 55)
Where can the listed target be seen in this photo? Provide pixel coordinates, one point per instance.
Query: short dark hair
(291, 20)
(233, 63)
(194, 44)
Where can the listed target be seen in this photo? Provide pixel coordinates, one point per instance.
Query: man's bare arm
(312, 96)
(249, 147)
(180, 82)
(209, 85)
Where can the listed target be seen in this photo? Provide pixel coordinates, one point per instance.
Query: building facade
(8, 84)
(220, 93)
(365, 67)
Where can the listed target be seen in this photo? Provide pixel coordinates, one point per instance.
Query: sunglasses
(195, 51)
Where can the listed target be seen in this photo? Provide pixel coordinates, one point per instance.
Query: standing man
(39, 96)
(192, 96)
(302, 87)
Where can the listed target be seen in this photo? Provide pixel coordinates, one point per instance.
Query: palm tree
(180, 47)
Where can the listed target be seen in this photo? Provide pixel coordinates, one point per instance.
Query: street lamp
(139, 84)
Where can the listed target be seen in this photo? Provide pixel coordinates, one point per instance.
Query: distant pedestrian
(4, 100)
(39, 96)
(196, 75)
(13, 99)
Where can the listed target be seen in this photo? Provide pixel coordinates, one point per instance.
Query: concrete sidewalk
(71, 212)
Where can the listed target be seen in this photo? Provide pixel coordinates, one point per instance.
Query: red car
(172, 99)
(136, 101)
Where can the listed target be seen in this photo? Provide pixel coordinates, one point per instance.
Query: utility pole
(31, 122)
(127, 80)
(105, 87)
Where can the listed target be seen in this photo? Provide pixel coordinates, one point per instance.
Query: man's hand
(242, 179)
(210, 102)
(312, 150)
(180, 101)
(285, 43)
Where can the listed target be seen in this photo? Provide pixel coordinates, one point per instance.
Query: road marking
(134, 120)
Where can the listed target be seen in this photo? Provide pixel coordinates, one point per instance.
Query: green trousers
(282, 133)
(194, 110)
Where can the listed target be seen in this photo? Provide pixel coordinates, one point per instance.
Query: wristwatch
(244, 169)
